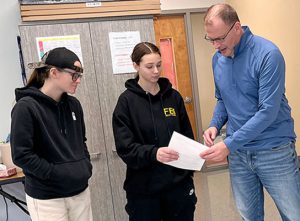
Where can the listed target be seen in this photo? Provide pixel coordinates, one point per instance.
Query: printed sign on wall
(121, 46)
(72, 42)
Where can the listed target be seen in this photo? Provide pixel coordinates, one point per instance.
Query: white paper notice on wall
(121, 46)
(92, 4)
(72, 42)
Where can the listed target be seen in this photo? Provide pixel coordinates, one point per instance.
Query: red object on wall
(168, 62)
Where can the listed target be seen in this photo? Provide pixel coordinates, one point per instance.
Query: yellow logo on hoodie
(169, 112)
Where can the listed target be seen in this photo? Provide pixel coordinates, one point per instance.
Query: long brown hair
(38, 77)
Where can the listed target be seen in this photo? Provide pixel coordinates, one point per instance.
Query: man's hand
(217, 152)
(166, 154)
(210, 135)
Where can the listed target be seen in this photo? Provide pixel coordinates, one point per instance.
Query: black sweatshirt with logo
(48, 142)
(142, 123)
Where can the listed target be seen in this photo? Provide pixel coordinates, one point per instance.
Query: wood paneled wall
(59, 11)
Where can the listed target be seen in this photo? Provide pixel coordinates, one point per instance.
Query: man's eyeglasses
(75, 75)
(218, 40)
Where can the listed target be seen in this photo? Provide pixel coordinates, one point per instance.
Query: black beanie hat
(59, 57)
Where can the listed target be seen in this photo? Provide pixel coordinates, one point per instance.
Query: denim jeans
(277, 170)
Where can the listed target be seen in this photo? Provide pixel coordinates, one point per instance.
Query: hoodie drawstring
(165, 120)
(153, 121)
(61, 118)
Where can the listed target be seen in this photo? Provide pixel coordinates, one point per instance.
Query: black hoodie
(48, 142)
(141, 124)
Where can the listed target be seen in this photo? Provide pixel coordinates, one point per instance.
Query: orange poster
(167, 54)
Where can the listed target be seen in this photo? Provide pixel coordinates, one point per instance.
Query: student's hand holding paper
(166, 154)
(188, 150)
(217, 152)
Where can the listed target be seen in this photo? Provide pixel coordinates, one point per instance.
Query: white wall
(10, 74)
(186, 4)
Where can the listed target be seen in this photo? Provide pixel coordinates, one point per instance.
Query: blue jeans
(277, 170)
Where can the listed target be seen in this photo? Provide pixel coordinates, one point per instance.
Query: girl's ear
(136, 66)
(53, 73)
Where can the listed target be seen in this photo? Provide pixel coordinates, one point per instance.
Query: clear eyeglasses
(221, 39)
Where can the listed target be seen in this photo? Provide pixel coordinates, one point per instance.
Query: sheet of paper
(71, 42)
(121, 46)
(188, 150)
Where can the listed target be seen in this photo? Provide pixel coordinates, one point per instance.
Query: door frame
(191, 56)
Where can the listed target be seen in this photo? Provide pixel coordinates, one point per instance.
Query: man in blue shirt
(249, 76)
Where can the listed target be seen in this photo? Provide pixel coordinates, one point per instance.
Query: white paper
(2, 167)
(188, 150)
(121, 46)
(72, 42)
(93, 4)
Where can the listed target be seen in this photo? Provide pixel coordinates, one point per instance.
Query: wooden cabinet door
(110, 86)
(88, 95)
(98, 94)
(170, 36)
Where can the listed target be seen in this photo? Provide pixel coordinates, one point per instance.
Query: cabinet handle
(187, 100)
(95, 155)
